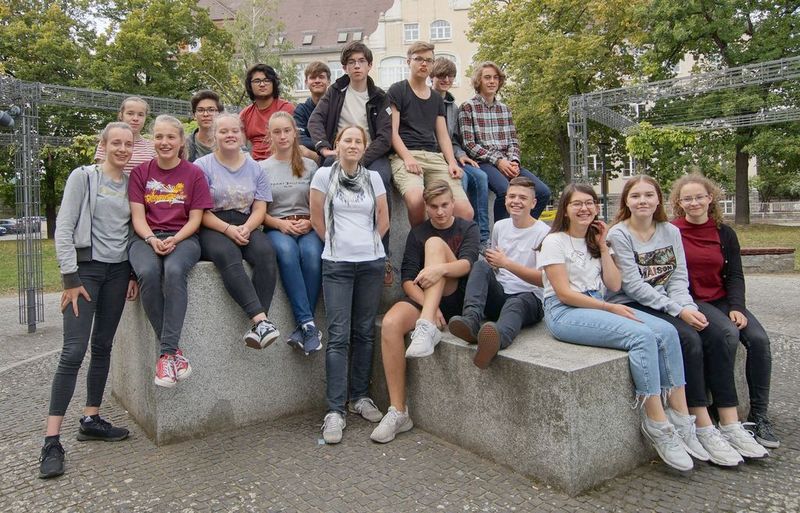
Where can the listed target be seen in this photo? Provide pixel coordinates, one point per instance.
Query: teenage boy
(474, 181)
(354, 99)
(420, 139)
(205, 107)
(506, 287)
(263, 87)
(490, 137)
(318, 78)
(438, 256)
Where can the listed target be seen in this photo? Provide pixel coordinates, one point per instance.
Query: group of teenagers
(303, 192)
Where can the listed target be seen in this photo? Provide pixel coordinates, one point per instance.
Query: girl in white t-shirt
(577, 266)
(349, 212)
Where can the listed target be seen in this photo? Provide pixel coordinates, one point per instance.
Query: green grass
(770, 235)
(8, 267)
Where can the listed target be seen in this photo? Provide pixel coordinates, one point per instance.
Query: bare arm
(316, 204)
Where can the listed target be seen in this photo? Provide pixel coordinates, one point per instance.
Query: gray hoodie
(654, 273)
(73, 235)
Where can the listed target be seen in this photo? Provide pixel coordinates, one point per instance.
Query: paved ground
(280, 466)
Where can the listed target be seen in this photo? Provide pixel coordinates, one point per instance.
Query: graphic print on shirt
(656, 266)
(157, 192)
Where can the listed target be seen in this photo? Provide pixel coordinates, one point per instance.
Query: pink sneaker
(182, 368)
(165, 371)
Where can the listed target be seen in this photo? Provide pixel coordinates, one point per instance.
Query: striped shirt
(143, 151)
(487, 131)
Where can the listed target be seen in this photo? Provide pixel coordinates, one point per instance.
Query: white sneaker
(668, 445)
(332, 427)
(423, 339)
(392, 424)
(743, 441)
(684, 426)
(719, 450)
(366, 408)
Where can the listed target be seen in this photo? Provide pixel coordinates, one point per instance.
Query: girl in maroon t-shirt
(716, 282)
(168, 196)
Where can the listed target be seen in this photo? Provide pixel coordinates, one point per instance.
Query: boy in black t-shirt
(421, 140)
(438, 257)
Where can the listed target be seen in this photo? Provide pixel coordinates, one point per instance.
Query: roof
(325, 19)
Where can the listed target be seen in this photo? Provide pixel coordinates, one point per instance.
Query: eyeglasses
(420, 60)
(446, 78)
(261, 81)
(579, 204)
(202, 111)
(360, 62)
(688, 200)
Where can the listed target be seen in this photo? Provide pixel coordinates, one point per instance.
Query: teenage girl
(133, 111)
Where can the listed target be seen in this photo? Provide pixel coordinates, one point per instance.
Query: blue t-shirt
(235, 189)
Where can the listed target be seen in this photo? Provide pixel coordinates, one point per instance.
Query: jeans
(758, 367)
(476, 185)
(254, 295)
(498, 183)
(162, 286)
(485, 298)
(383, 168)
(654, 351)
(107, 285)
(300, 263)
(707, 361)
(352, 296)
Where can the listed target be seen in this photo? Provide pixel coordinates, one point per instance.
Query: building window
(440, 29)
(358, 35)
(393, 69)
(410, 32)
(308, 39)
(342, 37)
(336, 69)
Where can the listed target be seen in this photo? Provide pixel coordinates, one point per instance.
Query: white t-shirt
(585, 272)
(519, 245)
(354, 240)
(354, 110)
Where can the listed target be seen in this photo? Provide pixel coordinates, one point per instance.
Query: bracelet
(226, 229)
(147, 239)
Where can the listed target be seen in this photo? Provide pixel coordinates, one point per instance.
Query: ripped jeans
(654, 350)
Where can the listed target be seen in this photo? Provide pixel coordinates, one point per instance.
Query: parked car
(3, 231)
(10, 225)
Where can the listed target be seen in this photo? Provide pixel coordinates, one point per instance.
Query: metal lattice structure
(620, 108)
(29, 97)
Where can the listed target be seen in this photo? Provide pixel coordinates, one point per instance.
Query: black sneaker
(51, 462)
(261, 335)
(762, 429)
(97, 428)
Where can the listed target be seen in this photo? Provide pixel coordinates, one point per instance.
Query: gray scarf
(349, 189)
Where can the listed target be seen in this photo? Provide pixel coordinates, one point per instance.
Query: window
(342, 37)
(336, 69)
(410, 32)
(393, 69)
(308, 39)
(279, 40)
(440, 29)
(358, 35)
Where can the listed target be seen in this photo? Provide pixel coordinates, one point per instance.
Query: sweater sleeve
(75, 190)
(301, 114)
(734, 278)
(317, 122)
(678, 284)
(633, 285)
(381, 143)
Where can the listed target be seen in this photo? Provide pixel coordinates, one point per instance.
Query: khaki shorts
(434, 167)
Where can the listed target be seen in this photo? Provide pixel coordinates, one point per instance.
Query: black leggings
(107, 285)
(708, 361)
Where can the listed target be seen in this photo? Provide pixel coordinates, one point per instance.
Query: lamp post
(603, 146)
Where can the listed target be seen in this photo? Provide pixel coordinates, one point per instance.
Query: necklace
(577, 256)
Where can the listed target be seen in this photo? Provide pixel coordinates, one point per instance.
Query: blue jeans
(498, 183)
(352, 297)
(476, 185)
(300, 264)
(654, 350)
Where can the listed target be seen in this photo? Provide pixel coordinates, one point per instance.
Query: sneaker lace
(102, 423)
(716, 439)
(365, 402)
(171, 364)
(330, 419)
(50, 447)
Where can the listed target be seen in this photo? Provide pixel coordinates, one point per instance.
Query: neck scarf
(349, 190)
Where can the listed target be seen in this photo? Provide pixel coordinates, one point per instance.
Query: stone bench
(768, 260)
(557, 412)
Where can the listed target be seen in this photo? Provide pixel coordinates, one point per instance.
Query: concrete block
(768, 260)
(557, 412)
(231, 385)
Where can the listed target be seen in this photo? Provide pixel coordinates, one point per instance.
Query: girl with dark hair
(349, 212)
(288, 218)
(716, 282)
(91, 240)
(133, 111)
(232, 228)
(578, 266)
(168, 196)
(649, 253)
(263, 87)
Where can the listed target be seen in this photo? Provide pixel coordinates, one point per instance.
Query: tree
(723, 33)
(552, 49)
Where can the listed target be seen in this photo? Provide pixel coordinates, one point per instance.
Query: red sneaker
(165, 371)
(182, 367)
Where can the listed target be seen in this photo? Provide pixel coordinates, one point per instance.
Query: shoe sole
(660, 455)
(488, 345)
(461, 330)
(750, 456)
(165, 384)
(186, 374)
(379, 418)
(254, 343)
(295, 344)
(50, 475)
(408, 426)
(768, 444)
(82, 437)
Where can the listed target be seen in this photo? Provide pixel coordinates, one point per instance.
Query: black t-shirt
(417, 116)
(463, 238)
